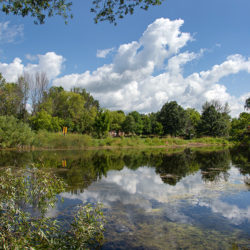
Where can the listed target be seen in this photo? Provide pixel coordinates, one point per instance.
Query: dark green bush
(14, 133)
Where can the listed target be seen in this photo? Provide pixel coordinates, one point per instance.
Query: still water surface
(154, 199)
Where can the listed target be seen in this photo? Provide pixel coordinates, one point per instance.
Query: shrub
(14, 133)
(43, 120)
(34, 189)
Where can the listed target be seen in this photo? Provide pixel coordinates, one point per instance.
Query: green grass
(44, 139)
(212, 140)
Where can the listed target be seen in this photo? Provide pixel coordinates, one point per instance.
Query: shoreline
(115, 147)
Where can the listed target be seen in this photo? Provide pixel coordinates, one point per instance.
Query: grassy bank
(56, 140)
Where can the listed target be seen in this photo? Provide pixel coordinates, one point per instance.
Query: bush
(43, 120)
(14, 133)
(34, 189)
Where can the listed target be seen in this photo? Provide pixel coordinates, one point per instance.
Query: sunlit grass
(44, 139)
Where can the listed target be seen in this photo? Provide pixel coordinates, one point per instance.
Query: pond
(155, 199)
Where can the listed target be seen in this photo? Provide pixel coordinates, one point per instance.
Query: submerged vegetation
(26, 195)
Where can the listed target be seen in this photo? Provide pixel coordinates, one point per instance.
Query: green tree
(129, 124)
(102, 123)
(14, 133)
(89, 99)
(172, 117)
(147, 126)
(11, 97)
(215, 120)
(24, 87)
(104, 10)
(43, 120)
(77, 108)
(113, 9)
(192, 120)
(2, 79)
(247, 103)
(156, 127)
(138, 122)
(36, 8)
(117, 118)
(239, 126)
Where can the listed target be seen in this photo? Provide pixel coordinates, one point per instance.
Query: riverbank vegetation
(50, 140)
(26, 195)
(89, 125)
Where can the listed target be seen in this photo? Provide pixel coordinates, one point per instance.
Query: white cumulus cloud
(147, 73)
(144, 74)
(50, 63)
(103, 53)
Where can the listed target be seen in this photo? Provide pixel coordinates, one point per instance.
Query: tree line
(53, 108)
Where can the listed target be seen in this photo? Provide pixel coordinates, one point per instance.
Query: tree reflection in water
(152, 192)
(84, 167)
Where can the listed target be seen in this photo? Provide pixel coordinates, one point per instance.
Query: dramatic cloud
(147, 73)
(103, 53)
(144, 74)
(50, 63)
(9, 33)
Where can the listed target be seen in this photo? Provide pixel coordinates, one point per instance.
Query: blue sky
(184, 50)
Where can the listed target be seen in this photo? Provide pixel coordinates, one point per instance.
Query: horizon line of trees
(53, 108)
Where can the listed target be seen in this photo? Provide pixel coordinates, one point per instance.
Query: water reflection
(81, 168)
(241, 160)
(189, 199)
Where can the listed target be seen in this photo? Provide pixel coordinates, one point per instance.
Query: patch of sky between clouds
(237, 84)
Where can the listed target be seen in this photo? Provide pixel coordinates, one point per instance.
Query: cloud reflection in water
(144, 188)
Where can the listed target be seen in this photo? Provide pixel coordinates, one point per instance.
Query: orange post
(65, 130)
(64, 163)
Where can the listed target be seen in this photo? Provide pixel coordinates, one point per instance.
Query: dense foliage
(55, 108)
(215, 120)
(25, 197)
(104, 10)
(240, 130)
(37, 9)
(14, 133)
(172, 118)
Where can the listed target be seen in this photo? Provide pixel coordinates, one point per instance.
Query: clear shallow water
(156, 200)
